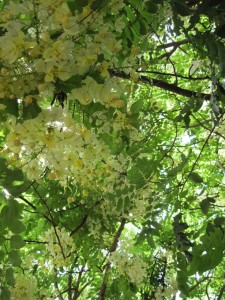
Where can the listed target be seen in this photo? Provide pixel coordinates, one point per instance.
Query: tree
(112, 149)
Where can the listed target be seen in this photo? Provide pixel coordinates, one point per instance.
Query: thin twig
(51, 220)
(76, 291)
(108, 265)
(56, 285)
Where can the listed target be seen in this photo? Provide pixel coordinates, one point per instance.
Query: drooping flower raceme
(60, 246)
(128, 264)
(55, 143)
(24, 288)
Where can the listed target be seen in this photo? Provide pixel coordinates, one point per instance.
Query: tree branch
(35, 242)
(70, 277)
(173, 44)
(76, 289)
(162, 84)
(51, 220)
(198, 283)
(56, 285)
(27, 202)
(34, 208)
(175, 75)
(83, 221)
(108, 265)
(200, 153)
(222, 290)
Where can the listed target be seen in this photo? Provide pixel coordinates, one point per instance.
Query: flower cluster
(48, 45)
(130, 265)
(24, 288)
(60, 246)
(53, 141)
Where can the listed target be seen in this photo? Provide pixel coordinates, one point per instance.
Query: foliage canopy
(112, 161)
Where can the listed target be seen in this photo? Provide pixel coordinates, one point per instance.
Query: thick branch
(175, 75)
(173, 44)
(163, 85)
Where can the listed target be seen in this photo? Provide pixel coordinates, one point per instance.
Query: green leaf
(35, 267)
(187, 119)
(2, 255)
(119, 205)
(9, 277)
(205, 204)
(115, 148)
(151, 7)
(11, 107)
(134, 3)
(175, 170)
(17, 226)
(10, 212)
(136, 106)
(77, 5)
(135, 177)
(2, 239)
(5, 293)
(126, 202)
(143, 27)
(10, 179)
(219, 221)
(221, 56)
(17, 242)
(130, 14)
(181, 8)
(210, 228)
(182, 280)
(195, 177)
(31, 111)
(212, 47)
(209, 253)
(14, 258)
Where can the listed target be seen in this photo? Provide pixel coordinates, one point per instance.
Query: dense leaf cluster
(112, 142)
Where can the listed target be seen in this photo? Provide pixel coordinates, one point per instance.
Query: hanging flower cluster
(55, 43)
(129, 265)
(53, 143)
(60, 246)
(25, 288)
